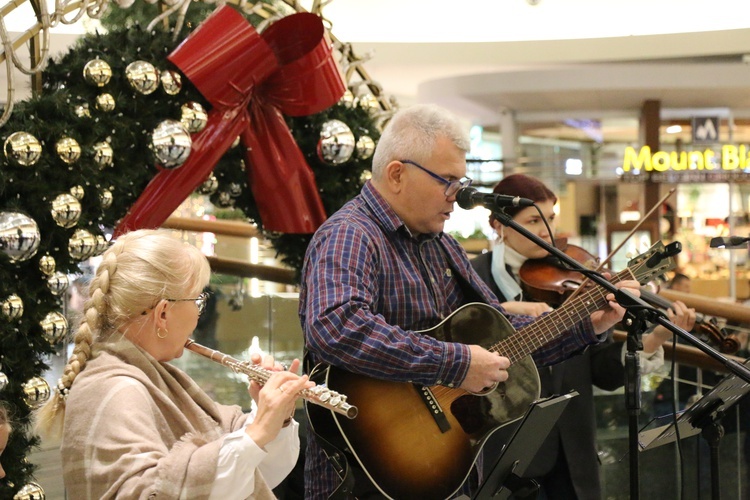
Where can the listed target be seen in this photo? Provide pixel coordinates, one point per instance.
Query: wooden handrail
(710, 306)
(222, 227)
(688, 355)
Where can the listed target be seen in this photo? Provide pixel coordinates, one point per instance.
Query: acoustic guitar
(412, 441)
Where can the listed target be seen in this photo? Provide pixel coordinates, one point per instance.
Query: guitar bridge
(428, 398)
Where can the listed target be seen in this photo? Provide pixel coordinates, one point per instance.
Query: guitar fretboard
(553, 325)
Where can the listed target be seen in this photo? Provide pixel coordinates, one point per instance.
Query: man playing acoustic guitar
(377, 274)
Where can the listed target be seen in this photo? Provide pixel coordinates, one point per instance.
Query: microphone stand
(637, 316)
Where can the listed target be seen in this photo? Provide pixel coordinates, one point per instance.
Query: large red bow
(250, 80)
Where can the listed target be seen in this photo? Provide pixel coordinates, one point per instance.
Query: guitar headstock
(656, 261)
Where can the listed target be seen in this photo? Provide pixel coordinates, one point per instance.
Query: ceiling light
(674, 129)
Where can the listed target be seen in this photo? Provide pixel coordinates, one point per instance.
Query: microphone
(731, 241)
(468, 198)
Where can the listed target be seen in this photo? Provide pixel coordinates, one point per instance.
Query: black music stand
(505, 477)
(702, 417)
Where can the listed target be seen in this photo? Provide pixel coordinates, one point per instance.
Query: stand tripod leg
(712, 434)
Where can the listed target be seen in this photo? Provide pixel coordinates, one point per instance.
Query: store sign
(728, 158)
(705, 129)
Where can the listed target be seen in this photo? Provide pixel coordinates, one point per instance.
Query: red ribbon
(250, 80)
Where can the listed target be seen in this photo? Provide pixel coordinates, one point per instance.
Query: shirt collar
(385, 214)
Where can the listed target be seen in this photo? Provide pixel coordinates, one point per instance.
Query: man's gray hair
(411, 135)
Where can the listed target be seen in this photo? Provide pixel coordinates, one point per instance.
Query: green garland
(58, 113)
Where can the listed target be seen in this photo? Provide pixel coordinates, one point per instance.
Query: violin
(705, 326)
(549, 280)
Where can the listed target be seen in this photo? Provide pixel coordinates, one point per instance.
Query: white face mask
(505, 282)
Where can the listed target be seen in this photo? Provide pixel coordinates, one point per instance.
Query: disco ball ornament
(101, 244)
(30, 491)
(35, 392)
(22, 148)
(347, 99)
(194, 117)
(66, 210)
(54, 327)
(365, 147)
(105, 102)
(336, 143)
(97, 72)
(47, 265)
(3, 381)
(103, 154)
(19, 236)
(68, 150)
(82, 111)
(58, 283)
(171, 144)
(106, 198)
(209, 186)
(143, 77)
(78, 192)
(225, 200)
(81, 245)
(171, 82)
(12, 307)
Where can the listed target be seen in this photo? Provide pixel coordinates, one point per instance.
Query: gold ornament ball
(225, 200)
(209, 186)
(78, 192)
(54, 327)
(97, 72)
(194, 117)
(171, 144)
(336, 143)
(82, 111)
(101, 244)
(22, 148)
(19, 236)
(368, 102)
(30, 491)
(171, 82)
(47, 265)
(81, 245)
(68, 150)
(365, 176)
(12, 307)
(347, 99)
(66, 210)
(3, 381)
(58, 283)
(103, 154)
(143, 77)
(105, 102)
(35, 391)
(106, 198)
(365, 147)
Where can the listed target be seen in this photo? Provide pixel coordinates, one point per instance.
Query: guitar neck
(553, 325)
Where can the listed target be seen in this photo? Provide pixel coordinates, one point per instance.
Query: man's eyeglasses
(200, 301)
(451, 187)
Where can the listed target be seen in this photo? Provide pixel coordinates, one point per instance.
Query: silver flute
(318, 395)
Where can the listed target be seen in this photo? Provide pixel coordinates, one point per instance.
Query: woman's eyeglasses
(200, 302)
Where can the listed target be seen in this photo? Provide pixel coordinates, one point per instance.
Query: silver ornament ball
(209, 186)
(143, 77)
(103, 154)
(81, 245)
(30, 491)
(3, 381)
(12, 307)
(58, 283)
(171, 82)
(336, 144)
(19, 236)
(171, 144)
(54, 327)
(97, 72)
(35, 392)
(22, 148)
(66, 210)
(194, 117)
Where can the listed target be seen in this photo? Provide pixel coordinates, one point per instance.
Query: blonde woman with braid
(134, 426)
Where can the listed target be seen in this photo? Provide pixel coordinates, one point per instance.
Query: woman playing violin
(566, 465)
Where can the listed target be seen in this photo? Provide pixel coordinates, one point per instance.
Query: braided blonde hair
(139, 269)
(5, 417)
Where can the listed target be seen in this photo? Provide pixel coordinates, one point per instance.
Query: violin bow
(624, 240)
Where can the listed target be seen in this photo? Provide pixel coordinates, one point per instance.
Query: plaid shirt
(368, 285)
